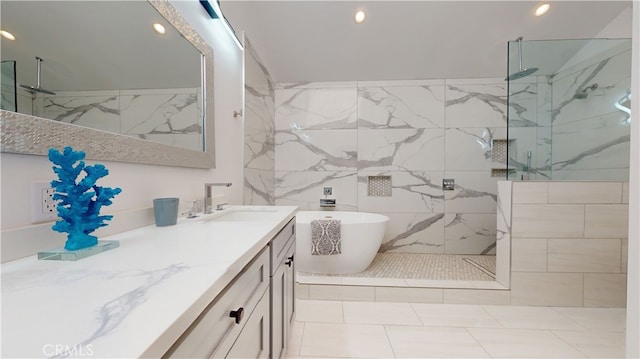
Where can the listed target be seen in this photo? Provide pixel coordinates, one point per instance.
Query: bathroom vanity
(220, 285)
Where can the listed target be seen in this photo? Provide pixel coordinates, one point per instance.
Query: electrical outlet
(43, 207)
(328, 191)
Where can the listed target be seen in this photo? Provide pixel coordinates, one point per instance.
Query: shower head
(522, 72)
(582, 94)
(37, 89)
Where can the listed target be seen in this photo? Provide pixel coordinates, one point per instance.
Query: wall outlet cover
(328, 191)
(43, 207)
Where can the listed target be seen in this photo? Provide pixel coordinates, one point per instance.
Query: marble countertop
(132, 301)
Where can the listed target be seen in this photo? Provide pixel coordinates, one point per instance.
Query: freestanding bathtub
(361, 234)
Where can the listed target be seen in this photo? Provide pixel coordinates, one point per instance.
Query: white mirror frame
(25, 134)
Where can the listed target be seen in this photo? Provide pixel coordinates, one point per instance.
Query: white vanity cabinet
(236, 323)
(282, 288)
(252, 316)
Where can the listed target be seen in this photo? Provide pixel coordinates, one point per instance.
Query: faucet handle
(220, 206)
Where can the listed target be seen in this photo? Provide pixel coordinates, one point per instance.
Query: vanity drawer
(213, 333)
(280, 243)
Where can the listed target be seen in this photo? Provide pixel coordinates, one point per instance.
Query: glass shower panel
(565, 120)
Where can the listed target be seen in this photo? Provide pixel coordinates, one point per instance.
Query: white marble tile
(259, 115)
(503, 232)
(323, 340)
(411, 191)
(523, 104)
(606, 221)
(476, 105)
(302, 291)
(547, 220)
(523, 343)
(595, 345)
(315, 150)
(99, 112)
(401, 83)
(476, 296)
(547, 289)
(316, 85)
(401, 149)
(341, 292)
(624, 262)
(625, 192)
(605, 290)
(613, 78)
(304, 189)
(597, 319)
(530, 192)
(470, 233)
(584, 255)
(524, 317)
(454, 315)
(611, 174)
(585, 192)
(380, 313)
(259, 187)
(319, 311)
(295, 339)
(475, 192)
(468, 149)
(433, 342)
(414, 233)
(544, 87)
(477, 81)
(410, 295)
(401, 107)
(529, 254)
(160, 114)
(190, 141)
(316, 108)
(600, 142)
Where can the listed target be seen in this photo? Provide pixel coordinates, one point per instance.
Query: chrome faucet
(208, 195)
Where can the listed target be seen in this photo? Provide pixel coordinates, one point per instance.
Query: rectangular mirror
(95, 75)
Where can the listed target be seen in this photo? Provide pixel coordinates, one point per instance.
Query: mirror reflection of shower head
(522, 72)
(582, 94)
(37, 89)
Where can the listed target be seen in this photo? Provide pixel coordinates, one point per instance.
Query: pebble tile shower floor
(429, 266)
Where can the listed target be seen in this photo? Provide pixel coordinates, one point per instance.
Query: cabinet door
(290, 294)
(278, 334)
(253, 341)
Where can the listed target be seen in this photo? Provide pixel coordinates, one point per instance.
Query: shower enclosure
(569, 114)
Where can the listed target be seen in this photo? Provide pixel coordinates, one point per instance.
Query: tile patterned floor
(335, 329)
(429, 266)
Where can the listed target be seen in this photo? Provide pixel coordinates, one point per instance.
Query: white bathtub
(362, 234)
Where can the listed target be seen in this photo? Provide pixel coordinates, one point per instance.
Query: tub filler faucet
(208, 195)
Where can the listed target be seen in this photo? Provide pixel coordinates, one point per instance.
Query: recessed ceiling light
(542, 9)
(7, 35)
(159, 28)
(360, 16)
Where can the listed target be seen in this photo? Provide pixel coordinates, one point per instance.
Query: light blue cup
(165, 211)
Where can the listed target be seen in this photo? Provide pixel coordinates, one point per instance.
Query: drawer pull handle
(290, 261)
(237, 314)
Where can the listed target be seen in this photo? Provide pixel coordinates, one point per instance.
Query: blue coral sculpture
(80, 198)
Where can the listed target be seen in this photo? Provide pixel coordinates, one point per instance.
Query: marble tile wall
(167, 116)
(590, 136)
(259, 130)
(417, 132)
(569, 244)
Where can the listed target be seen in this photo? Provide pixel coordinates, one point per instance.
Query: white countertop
(132, 301)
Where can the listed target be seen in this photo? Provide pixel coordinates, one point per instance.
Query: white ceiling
(304, 41)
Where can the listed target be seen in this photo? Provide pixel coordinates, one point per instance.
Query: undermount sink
(244, 216)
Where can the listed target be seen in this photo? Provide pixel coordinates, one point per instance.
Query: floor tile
(433, 342)
(455, 315)
(319, 311)
(523, 343)
(380, 313)
(521, 317)
(600, 319)
(295, 339)
(596, 344)
(345, 340)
